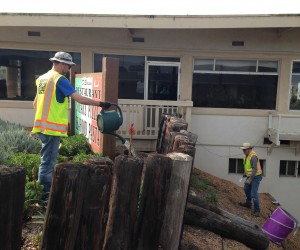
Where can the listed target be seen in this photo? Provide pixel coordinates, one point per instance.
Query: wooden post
(95, 205)
(155, 188)
(174, 124)
(64, 207)
(12, 196)
(176, 201)
(123, 203)
(161, 132)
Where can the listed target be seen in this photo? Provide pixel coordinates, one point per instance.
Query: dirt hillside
(228, 195)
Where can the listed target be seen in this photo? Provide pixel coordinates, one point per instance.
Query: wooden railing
(145, 115)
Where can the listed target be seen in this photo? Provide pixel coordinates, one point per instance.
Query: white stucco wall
(220, 138)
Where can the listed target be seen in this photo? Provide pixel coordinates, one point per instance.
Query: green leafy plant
(209, 195)
(82, 157)
(33, 193)
(199, 184)
(31, 163)
(73, 145)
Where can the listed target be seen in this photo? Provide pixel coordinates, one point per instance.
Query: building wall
(220, 138)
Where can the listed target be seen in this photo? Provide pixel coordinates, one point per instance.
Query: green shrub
(82, 157)
(73, 145)
(15, 138)
(31, 162)
(3, 155)
(199, 184)
(33, 193)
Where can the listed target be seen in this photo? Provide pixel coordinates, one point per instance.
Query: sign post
(103, 87)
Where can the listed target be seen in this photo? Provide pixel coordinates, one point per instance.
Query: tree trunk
(12, 196)
(123, 203)
(176, 201)
(157, 173)
(64, 207)
(225, 224)
(95, 205)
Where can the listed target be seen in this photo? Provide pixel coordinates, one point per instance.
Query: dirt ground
(228, 196)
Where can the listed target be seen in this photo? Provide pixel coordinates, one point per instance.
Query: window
(295, 86)
(244, 84)
(162, 78)
(19, 70)
(289, 169)
(236, 166)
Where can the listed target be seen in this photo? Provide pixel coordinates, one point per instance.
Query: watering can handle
(105, 105)
(119, 109)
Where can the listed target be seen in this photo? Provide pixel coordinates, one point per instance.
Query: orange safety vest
(51, 117)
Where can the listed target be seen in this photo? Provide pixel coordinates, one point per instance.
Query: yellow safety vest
(51, 117)
(247, 164)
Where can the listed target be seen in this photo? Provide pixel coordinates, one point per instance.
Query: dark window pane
(234, 91)
(282, 168)
(240, 167)
(232, 166)
(162, 82)
(296, 67)
(98, 62)
(19, 70)
(163, 59)
(131, 75)
(262, 164)
(295, 93)
(291, 168)
(298, 168)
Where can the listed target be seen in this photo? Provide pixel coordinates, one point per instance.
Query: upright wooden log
(123, 203)
(12, 196)
(174, 124)
(190, 137)
(157, 173)
(161, 131)
(176, 201)
(64, 207)
(94, 213)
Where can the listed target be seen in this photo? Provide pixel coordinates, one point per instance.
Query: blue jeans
(251, 191)
(49, 152)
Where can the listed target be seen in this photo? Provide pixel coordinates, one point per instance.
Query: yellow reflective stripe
(47, 125)
(48, 97)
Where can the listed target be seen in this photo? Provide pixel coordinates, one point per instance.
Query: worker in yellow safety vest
(51, 113)
(253, 174)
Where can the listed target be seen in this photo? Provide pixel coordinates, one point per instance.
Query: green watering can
(110, 121)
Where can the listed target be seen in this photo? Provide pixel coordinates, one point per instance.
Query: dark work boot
(245, 204)
(256, 213)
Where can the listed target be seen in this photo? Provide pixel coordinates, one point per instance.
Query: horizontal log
(200, 214)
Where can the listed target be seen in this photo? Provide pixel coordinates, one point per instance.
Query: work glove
(248, 181)
(105, 105)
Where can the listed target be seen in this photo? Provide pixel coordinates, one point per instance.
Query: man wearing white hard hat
(51, 118)
(253, 172)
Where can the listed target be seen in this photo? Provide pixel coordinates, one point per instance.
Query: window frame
(296, 169)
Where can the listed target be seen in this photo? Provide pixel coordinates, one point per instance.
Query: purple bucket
(279, 225)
